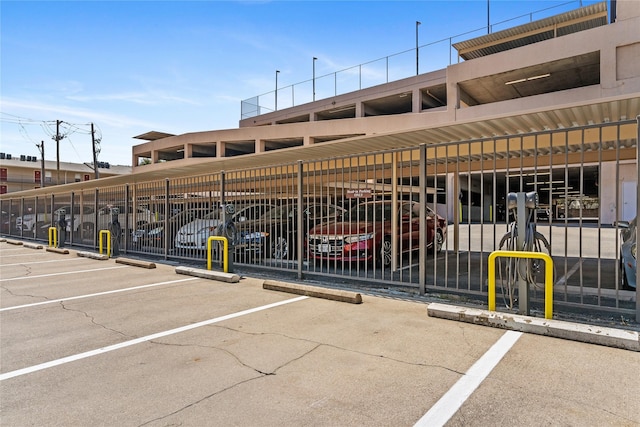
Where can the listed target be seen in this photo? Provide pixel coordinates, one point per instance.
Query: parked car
(365, 233)
(5, 223)
(152, 233)
(274, 235)
(195, 234)
(628, 253)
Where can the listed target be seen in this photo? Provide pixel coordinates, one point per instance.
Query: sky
(130, 67)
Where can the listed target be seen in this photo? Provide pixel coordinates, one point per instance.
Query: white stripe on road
(107, 349)
(135, 288)
(61, 274)
(42, 262)
(449, 404)
(570, 273)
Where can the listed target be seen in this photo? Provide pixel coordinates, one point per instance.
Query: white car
(195, 234)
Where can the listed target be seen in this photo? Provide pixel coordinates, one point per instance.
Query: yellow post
(225, 252)
(53, 237)
(548, 277)
(108, 233)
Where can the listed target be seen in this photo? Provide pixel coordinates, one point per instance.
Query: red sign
(87, 177)
(36, 176)
(361, 193)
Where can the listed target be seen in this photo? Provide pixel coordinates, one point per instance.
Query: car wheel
(280, 248)
(385, 252)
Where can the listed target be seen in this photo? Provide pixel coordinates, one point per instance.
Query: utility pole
(95, 154)
(57, 138)
(41, 147)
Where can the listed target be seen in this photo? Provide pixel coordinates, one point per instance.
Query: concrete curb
(313, 291)
(136, 263)
(32, 245)
(209, 274)
(93, 255)
(14, 242)
(610, 337)
(57, 250)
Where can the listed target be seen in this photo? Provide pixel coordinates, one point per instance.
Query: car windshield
(377, 212)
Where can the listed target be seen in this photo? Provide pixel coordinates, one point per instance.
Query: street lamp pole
(277, 72)
(314, 77)
(417, 54)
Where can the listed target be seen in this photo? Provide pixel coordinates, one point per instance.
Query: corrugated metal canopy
(611, 111)
(584, 18)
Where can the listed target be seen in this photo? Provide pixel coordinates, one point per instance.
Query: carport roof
(584, 18)
(611, 111)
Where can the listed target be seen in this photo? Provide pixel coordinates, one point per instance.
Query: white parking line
(452, 400)
(107, 349)
(42, 262)
(573, 269)
(61, 274)
(135, 288)
(3, 256)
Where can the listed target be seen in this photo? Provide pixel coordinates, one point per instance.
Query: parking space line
(63, 273)
(570, 273)
(129, 343)
(2, 255)
(42, 262)
(135, 288)
(453, 399)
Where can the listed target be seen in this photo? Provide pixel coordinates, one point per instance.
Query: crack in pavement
(263, 374)
(93, 320)
(13, 294)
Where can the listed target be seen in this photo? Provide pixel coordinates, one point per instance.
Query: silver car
(628, 253)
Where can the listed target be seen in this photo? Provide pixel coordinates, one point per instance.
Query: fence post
(637, 212)
(300, 226)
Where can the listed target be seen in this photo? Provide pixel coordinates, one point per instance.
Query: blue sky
(131, 67)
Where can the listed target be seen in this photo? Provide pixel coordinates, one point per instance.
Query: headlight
(358, 238)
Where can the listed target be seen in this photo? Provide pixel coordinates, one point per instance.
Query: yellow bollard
(53, 237)
(108, 234)
(548, 277)
(225, 252)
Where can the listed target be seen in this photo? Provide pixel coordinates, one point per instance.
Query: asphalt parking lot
(93, 342)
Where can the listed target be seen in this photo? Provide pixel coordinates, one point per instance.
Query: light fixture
(541, 76)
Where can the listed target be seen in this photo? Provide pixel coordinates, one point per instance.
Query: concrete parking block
(57, 250)
(135, 262)
(313, 291)
(208, 274)
(15, 242)
(32, 245)
(93, 255)
(610, 337)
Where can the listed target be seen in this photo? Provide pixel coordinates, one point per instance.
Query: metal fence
(423, 218)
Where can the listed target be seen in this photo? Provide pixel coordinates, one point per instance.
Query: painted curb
(313, 291)
(209, 274)
(610, 337)
(135, 263)
(93, 256)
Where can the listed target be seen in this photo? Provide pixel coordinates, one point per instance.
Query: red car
(365, 232)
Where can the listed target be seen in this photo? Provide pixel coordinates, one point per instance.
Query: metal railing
(432, 56)
(367, 220)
